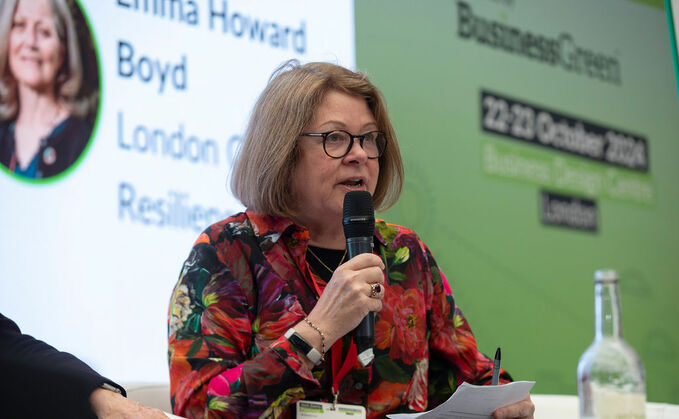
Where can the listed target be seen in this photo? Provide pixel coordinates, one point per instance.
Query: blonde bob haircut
(263, 170)
(69, 76)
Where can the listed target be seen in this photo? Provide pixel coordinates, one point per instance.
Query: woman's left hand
(519, 410)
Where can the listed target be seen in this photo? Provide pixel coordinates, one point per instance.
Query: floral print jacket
(246, 282)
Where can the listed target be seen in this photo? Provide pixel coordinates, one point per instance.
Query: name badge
(307, 410)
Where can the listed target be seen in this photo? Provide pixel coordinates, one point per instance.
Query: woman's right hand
(346, 300)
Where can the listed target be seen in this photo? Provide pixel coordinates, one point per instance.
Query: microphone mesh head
(358, 216)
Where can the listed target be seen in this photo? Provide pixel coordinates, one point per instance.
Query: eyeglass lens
(338, 143)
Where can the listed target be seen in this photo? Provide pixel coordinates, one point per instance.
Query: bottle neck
(607, 317)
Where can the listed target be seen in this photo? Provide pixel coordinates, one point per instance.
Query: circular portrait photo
(49, 86)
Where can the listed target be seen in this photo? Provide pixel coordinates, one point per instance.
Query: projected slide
(136, 111)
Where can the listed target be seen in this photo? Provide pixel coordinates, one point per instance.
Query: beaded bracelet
(313, 326)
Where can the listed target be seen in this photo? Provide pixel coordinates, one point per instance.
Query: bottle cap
(605, 275)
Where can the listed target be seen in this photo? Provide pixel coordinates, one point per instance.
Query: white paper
(474, 402)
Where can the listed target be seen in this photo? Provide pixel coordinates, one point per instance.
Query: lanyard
(338, 372)
(313, 280)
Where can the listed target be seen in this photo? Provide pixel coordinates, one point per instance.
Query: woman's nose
(356, 152)
(31, 37)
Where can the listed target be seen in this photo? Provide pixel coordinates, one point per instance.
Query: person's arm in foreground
(111, 405)
(40, 381)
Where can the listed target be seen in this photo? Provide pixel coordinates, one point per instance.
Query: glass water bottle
(611, 377)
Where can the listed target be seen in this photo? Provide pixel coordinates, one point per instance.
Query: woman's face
(35, 52)
(320, 182)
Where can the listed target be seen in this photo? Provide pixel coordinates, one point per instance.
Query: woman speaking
(263, 311)
(43, 124)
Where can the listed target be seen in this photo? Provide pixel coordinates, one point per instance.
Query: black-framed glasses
(338, 143)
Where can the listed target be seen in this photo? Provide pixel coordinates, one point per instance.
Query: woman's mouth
(353, 183)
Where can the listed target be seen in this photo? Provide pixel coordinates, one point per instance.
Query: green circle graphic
(89, 28)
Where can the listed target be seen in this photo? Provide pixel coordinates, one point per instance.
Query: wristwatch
(303, 346)
(107, 386)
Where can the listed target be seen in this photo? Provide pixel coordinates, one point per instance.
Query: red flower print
(402, 323)
(417, 393)
(386, 397)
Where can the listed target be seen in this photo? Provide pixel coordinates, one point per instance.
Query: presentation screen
(540, 144)
(672, 8)
(132, 157)
(538, 138)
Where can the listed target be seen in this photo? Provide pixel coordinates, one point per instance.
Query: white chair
(150, 394)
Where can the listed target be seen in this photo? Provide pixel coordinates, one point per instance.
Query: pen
(496, 366)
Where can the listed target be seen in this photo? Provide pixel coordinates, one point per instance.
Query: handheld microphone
(358, 218)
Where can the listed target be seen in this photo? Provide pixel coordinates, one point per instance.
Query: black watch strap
(303, 346)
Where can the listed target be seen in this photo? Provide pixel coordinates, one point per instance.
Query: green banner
(540, 144)
(564, 173)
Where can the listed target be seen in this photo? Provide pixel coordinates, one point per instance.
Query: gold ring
(376, 289)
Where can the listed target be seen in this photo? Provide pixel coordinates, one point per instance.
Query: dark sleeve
(40, 381)
(5, 144)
